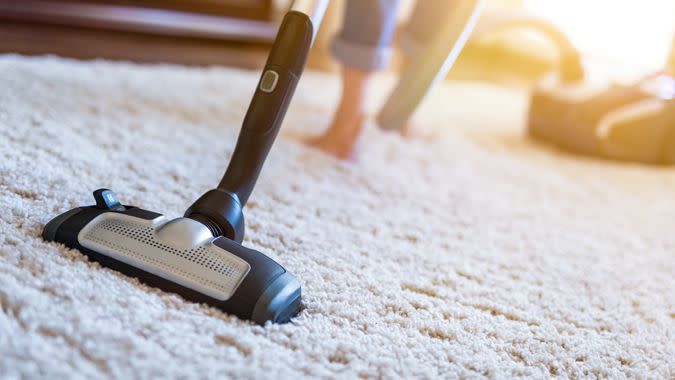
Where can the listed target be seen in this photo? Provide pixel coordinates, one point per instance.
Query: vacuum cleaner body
(618, 122)
(200, 255)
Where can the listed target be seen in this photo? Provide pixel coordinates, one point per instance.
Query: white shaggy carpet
(480, 254)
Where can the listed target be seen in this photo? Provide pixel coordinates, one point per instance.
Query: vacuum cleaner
(578, 113)
(200, 255)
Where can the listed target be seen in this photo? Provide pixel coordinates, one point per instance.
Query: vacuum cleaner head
(199, 255)
(179, 255)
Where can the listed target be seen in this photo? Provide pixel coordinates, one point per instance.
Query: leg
(426, 20)
(670, 65)
(432, 42)
(345, 128)
(362, 46)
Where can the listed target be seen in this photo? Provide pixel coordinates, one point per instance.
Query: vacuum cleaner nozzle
(200, 256)
(179, 255)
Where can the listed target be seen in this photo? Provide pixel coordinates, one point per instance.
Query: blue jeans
(364, 41)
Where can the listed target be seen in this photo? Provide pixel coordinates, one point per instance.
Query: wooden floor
(475, 63)
(32, 39)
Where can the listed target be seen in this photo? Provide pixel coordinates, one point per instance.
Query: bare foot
(344, 131)
(339, 140)
(412, 131)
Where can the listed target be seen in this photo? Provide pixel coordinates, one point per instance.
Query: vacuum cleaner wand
(221, 209)
(268, 106)
(280, 76)
(199, 256)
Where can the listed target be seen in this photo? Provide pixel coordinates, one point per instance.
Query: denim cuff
(360, 56)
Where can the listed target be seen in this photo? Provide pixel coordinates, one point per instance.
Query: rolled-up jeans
(368, 26)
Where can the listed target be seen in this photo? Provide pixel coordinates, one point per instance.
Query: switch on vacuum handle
(269, 104)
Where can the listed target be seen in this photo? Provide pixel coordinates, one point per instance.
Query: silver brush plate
(180, 250)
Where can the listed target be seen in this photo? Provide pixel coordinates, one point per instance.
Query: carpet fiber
(478, 254)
